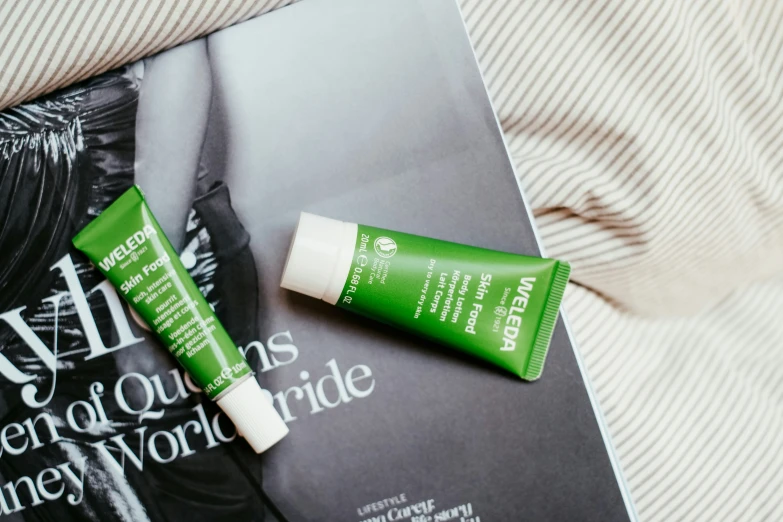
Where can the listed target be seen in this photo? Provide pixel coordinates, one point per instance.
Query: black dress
(63, 159)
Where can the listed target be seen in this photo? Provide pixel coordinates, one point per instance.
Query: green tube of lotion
(498, 306)
(128, 246)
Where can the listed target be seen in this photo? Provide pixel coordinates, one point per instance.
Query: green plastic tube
(128, 246)
(498, 306)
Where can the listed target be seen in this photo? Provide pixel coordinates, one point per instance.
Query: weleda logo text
(126, 248)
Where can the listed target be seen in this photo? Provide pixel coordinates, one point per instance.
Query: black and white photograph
(355, 110)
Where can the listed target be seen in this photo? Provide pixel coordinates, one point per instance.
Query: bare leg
(170, 127)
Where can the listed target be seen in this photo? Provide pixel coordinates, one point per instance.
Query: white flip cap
(254, 417)
(320, 257)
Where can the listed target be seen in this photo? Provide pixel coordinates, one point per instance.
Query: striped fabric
(649, 140)
(648, 137)
(47, 44)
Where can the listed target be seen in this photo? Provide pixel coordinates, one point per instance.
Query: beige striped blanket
(648, 137)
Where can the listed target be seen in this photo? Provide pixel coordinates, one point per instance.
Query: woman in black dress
(64, 159)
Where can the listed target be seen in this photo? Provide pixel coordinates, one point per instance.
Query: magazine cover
(369, 111)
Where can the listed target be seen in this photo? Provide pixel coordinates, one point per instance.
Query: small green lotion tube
(497, 306)
(126, 243)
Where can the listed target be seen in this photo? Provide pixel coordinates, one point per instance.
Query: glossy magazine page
(369, 111)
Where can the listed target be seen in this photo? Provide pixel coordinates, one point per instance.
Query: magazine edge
(602, 426)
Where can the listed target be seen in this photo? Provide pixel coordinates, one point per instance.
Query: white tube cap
(254, 417)
(320, 257)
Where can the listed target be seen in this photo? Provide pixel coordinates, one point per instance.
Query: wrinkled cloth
(647, 137)
(48, 44)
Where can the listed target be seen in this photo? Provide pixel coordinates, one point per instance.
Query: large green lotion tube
(497, 306)
(126, 243)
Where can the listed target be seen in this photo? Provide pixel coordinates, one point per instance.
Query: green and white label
(131, 250)
(495, 305)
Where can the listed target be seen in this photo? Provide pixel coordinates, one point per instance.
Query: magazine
(369, 111)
